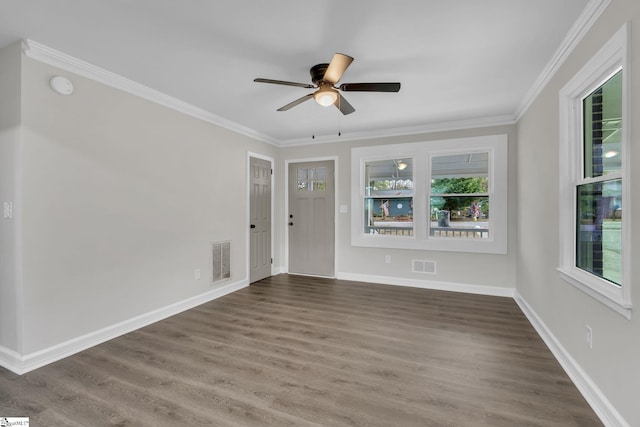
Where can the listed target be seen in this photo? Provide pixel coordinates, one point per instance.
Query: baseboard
(278, 270)
(608, 414)
(430, 284)
(10, 360)
(20, 365)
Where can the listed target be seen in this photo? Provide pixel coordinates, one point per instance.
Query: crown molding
(475, 123)
(578, 30)
(47, 55)
(42, 53)
(583, 24)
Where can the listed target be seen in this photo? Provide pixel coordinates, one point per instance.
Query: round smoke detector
(61, 85)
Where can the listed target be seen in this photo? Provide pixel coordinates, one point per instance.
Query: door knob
(253, 226)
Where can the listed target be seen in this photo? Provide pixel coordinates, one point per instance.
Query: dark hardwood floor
(299, 351)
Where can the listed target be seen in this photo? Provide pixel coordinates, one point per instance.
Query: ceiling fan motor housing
(317, 73)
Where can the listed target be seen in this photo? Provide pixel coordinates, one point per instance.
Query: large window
(388, 202)
(593, 197)
(442, 195)
(459, 195)
(599, 189)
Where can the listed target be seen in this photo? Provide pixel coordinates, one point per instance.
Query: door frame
(335, 206)
(248, 211)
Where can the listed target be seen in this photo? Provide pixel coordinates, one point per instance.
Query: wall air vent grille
(424, 266)
(220, 261)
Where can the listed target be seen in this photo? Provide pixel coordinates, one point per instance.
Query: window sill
(581, 281)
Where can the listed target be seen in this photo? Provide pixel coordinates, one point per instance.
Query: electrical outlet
(589, 336)
(196, 273)
(8, 210)
(387, 259)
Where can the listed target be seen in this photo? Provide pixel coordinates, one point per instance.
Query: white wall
(614, 362)
(121, 200)
(485, 273)
(10, 275)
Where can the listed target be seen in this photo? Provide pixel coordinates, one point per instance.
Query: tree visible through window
(448, 195)
(459, 198)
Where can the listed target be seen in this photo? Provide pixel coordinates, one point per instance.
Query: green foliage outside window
(477, 188)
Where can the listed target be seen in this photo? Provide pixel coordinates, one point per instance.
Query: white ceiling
(462, 61)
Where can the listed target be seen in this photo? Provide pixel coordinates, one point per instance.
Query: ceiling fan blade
(282, 82)
(342, 105)
(296, 102)
(370, 87)
(337, 67)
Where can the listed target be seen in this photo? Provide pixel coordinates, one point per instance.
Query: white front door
(311, 218)
(260, 217)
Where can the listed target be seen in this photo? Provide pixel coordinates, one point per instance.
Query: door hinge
(271, 171)
(271, 260)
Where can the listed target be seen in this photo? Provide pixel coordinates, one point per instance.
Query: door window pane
(599, 233)
(312, 179)
(302, 179)
(317, 179)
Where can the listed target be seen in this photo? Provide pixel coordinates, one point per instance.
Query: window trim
(610, 59)
(421, 153)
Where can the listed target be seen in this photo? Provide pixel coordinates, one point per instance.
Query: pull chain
(339, 114)
(315, 119)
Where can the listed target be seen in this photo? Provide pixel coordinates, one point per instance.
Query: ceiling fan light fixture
(326, 96)
(402, 165)
(325, 77)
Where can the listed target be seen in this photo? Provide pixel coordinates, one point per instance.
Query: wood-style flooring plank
(306, 351)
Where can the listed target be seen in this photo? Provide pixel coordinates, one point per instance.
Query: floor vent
(424, 266)
(220, 261)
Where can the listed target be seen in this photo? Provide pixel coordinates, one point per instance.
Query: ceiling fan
(324, 78)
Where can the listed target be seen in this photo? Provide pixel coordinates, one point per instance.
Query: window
(388, 200)
(459, 196)
(593, 197)
(431, 195)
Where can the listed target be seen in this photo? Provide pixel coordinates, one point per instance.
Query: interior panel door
(260, 217)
